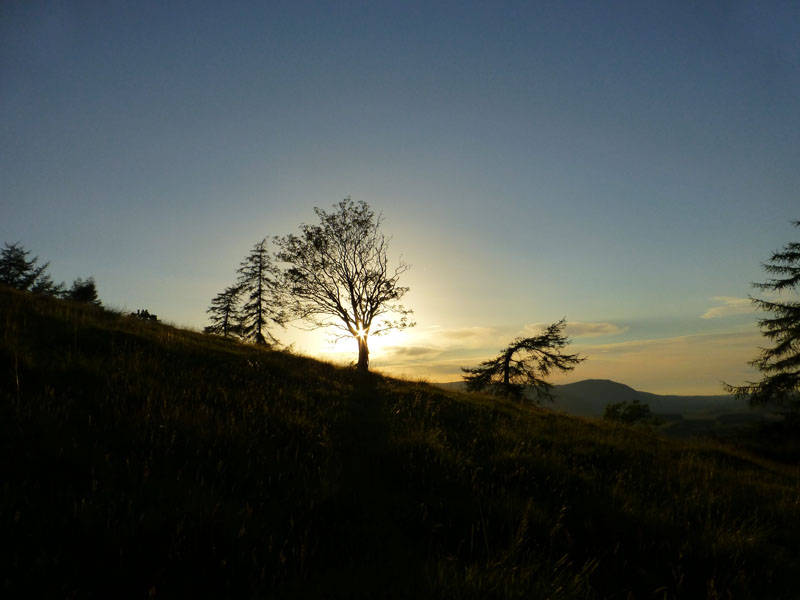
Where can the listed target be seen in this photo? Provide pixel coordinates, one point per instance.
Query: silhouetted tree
(628, 412)
(44, 285)
(338, 275)
(262, 305)
(83, 291)
(17, 271)
(780, 364)
(524, 363)
(224, 313)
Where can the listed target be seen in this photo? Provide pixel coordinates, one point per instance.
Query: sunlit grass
(141, 460)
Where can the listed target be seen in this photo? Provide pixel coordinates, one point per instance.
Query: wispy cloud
(679, 343)
(468, 335)
(728, 307)
(411, 352)
(588, 329)
(580, 329)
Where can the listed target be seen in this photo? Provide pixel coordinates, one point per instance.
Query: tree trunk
(363, 355)
(506, 370)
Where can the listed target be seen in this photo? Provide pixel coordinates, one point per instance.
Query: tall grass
(140, 460)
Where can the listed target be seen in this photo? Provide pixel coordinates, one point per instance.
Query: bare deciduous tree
(337, 274)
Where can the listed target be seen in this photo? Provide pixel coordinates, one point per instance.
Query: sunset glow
(529, 162)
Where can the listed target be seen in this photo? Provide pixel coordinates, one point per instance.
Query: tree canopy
(524, 364)
(780, 363)
(338, 275)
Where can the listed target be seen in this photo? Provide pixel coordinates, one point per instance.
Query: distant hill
(589, 398)
(680, 416)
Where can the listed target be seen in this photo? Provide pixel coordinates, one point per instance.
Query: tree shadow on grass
(364, 540)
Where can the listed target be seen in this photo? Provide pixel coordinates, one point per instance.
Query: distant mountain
(589, 398)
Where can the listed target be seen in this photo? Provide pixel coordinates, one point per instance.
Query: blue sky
(626, 165)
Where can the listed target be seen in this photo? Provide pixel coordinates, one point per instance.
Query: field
(142, 461)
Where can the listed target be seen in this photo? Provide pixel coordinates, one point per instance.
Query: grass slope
(138, 460)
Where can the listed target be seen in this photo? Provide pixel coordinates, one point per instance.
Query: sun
(344, 349)
(380, 345)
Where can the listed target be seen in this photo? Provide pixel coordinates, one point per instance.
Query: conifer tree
(17, 271)
(525, 362)
(261, 297)
(224, 313)
(44, 285)
(779, 364)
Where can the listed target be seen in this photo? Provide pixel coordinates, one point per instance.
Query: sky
(628, 166)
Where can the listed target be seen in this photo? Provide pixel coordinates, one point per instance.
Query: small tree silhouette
(628, 412)
(525, 362)
(83, 291)
(44, 285)
(224, 313)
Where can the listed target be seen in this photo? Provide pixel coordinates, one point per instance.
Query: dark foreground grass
(138, 460)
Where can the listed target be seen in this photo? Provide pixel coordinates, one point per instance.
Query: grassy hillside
(138, 460)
